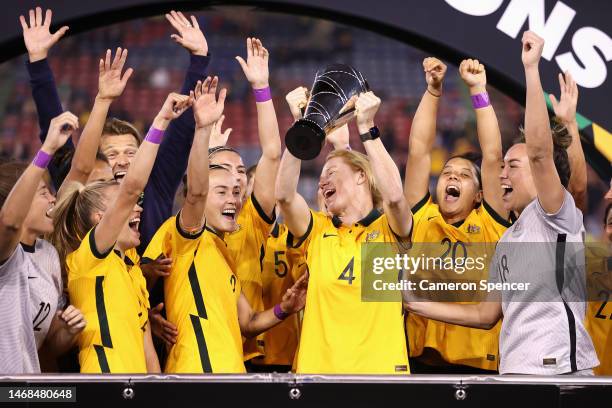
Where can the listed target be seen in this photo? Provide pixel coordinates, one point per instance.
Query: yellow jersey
(201, 295)
(341, 333)
(456, 344)
(281, 265)
(246, 246)
(598, 321)
(111, 292)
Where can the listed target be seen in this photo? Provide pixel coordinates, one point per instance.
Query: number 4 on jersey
(347, 273)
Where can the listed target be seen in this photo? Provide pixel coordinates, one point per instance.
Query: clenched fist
(434, 74)
(473, 74)
(366, 106)
(533, 45)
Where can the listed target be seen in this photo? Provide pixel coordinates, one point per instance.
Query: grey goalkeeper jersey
(543, 330)
(30, 293)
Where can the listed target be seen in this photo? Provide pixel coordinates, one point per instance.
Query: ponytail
(73, 217)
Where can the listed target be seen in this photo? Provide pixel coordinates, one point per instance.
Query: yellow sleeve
(171, 240)
(493, 220)
(420, 208)
(157, 245)
(86, 257)
(317, 221)
(260, 220)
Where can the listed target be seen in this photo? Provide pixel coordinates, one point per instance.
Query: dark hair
(210, 167)
(218, 149)
(9, 174)
(608, 208)
(116, 127)
(473, 157)
(561, 141)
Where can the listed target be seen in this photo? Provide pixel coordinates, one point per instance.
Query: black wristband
(371, 134)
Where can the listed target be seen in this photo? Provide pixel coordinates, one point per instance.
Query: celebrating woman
(95, 228)
(31, 296)
(546, 317)
(340, 333)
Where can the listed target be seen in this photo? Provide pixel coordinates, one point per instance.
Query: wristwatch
(371, 134)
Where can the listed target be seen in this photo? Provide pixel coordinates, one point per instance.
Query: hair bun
(560, 134)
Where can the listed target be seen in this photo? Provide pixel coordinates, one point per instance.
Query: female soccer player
(599, 313)
(340, 333)
(96, 226)
(542, 330)
(468, 210)
(203, 296)
(256, 216)
(31, 295)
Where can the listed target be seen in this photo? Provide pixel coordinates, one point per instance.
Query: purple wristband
(154, 135)
(42, 159)
(480, 100)
(263, 94)
(278, 312)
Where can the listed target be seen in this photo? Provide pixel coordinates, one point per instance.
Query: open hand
(217, 137)
(110, 82)
(37, 37)
(158, 268)
(161, 327)
(256, 66)
(565, 107)
(294, 298)
(189, 34)
(207, 108)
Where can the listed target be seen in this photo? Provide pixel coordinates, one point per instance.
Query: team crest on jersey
(372, 235)
(473, 229)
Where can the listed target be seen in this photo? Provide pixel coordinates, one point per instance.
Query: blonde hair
(72, 216)
(359, 162)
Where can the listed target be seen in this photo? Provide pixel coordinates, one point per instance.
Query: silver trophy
(331, 105)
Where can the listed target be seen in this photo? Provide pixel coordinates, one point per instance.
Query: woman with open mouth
(543, 329)
(204, 298)
(340, 332)
(468, 210)
(97, 228)
(34, 321)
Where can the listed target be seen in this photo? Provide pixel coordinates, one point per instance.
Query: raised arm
(17, 205)
(174, 151)
(293, 206)
(132, 186)
(489, 137)
(253, 323)
(538, 136)
(256, 71)
(110, 86)
(207, 110)
(38, 41)
(423, 133)
(385, 171)
(565, 111)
